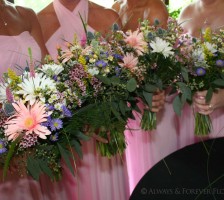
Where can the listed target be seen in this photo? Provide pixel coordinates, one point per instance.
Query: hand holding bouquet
(206, 74)
(152, 56)
(109, 100)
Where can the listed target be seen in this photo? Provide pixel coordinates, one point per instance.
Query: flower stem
(148, 121)
(203, 124)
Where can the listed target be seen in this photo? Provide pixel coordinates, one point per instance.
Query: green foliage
(175, 13)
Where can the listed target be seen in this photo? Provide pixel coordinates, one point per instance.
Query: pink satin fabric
(146, 148)
(70, 24)
(97, 178)
(14, 52)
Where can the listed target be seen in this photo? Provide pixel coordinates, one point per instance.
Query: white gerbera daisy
(211, 47)
(52, 69)
(161, 46)
(198, 57)
(33, 86)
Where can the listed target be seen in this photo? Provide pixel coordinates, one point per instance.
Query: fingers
(158, 101)
(200, 105)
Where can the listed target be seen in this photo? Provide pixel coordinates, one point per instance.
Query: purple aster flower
(66, 112)
(2, 147)
(101, 63)
(55, 77)
(104, 54)
(55, 124)
(87, 58)
(220, 63)
(118, 56)
(200, 71)
(47, 123)
(49, 107)
(54, 138)
(117, 71)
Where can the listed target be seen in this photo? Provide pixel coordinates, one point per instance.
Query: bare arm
(160, 12)
(116, 6)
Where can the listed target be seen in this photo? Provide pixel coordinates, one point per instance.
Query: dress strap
(71, 22)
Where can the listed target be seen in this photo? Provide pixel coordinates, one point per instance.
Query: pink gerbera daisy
(27, 120)
(130, 62)
(67, 55)
(136, 41)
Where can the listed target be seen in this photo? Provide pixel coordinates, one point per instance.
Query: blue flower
(54, 138)
(55, 77)
(200, 71)
(220, 63)
(47, 123)
(2, 147)
(55, 124)
(117, 71)
(118, 56)
(101, 63)
(66, 112)
(87, 58)
(104, 54)
(49, 107)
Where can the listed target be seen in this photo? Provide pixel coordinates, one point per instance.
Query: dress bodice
(70, 24)
(14, 52)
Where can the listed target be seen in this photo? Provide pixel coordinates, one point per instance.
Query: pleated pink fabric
(146, 148)
(97, 178)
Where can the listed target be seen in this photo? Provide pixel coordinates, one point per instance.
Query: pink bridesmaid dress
(97, 178)
(14, 55)
(146, 148)
(14, 52)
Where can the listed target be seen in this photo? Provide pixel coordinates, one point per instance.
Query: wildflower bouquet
(106, 108)
(153, 57)
(206, 72)
(36, 108)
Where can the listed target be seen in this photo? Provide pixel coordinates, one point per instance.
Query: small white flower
(50, 101)
(161, 46)
(92, 60)
(93, 71)
(57, 106)
(52, 69)
(107, 70)
(198, 56)
(54, 97)
(211, 47)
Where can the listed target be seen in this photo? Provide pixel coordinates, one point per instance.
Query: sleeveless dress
(14, 55)
(146, 148)
(97, 178)
(14, 52)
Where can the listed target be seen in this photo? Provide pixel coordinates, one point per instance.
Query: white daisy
(161, 46)
(52, 69)
(198, 57)
(211, 47)
(33, 86)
